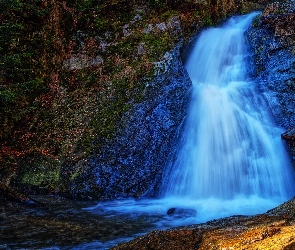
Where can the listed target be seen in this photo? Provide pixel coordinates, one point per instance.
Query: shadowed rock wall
(272, 42)
(132, 164)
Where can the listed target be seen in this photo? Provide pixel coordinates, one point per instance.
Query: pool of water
(61, 223)
(65, 224)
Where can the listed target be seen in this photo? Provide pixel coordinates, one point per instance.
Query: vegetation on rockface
(70, 69)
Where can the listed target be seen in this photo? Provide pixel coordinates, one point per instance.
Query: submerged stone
(182, 212)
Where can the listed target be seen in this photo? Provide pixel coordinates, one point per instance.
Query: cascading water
(231, 159)
(230, 148)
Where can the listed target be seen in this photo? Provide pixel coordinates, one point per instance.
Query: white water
(231, 159)
(230, 146)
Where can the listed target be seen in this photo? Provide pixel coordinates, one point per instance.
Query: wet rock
(174, 26)
(182, 212)
(161, 26)
(281, 25)
(82, 61)
(8, 193)
(126, 30)
(148, 29)
(266, 231)
(140, 49)
(272, 42)
(171, 211)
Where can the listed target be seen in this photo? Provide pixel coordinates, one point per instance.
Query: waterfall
(230, 146)
(231, 159)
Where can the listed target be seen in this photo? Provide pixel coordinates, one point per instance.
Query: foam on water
(191, 211)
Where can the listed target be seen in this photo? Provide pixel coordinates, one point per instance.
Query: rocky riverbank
(273, 230)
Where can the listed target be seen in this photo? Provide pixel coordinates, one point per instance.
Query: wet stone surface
(273, 230)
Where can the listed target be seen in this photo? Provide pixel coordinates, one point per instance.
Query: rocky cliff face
(131, 165)
(75, 71)
(272, 41)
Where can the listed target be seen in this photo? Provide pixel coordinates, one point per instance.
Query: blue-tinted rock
(132, 164)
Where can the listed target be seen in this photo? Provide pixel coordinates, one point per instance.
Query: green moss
(157, 3)
(256, 21)
(7, 96)
(207, 19)
(168, 14)
(43, 172)
(41, 178)
(156, 45)
(101, 23)
(77, 172)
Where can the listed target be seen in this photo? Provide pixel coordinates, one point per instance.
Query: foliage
(22, 72)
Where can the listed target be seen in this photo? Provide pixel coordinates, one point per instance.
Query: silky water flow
(231, 160)
(231, 156)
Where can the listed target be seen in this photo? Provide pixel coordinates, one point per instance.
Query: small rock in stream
(181, 212)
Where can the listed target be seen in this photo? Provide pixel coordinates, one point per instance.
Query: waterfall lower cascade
(231, 159)
(230, 150)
